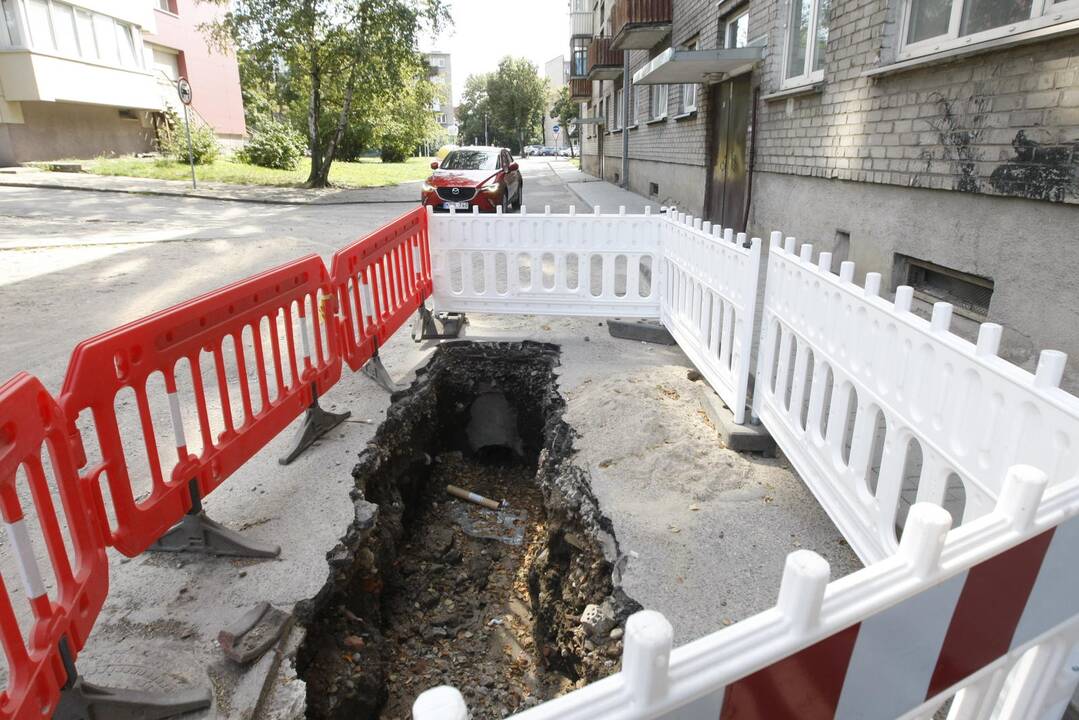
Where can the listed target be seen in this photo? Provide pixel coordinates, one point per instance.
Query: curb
(203, 196)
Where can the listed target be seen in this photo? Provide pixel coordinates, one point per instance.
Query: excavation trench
(428, 589)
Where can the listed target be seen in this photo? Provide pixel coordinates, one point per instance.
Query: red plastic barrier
(381, 280)
(126, 357)
(32, 428)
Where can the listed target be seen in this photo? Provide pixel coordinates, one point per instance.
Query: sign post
(183, 89)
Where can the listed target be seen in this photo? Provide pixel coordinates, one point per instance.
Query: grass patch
(366, 173)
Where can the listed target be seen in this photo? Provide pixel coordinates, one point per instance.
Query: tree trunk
(339, 132)
(314, 105)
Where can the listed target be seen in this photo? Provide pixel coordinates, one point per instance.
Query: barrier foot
(375, 370)
(437, 326)
(316, 423)
(85, 701)
(80, 700)
(197, 533)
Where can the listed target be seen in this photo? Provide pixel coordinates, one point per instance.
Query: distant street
(76, 263)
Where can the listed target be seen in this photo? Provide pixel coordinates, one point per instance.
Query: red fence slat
(381, 279)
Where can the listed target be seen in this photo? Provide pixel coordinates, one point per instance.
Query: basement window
(653, 189)
(129, 115)
(970, 294)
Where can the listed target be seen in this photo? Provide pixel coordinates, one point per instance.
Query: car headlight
(491, 187)
(427, 187)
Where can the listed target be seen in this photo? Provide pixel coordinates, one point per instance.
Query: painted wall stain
(959, 129)
(1039, 171)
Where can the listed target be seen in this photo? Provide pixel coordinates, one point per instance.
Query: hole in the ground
(428, 588)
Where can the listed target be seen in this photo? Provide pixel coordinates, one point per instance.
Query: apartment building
(441, 68)
(556, 71)
(933, 141)
(81, 78)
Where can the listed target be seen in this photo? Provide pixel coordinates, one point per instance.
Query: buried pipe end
(440, 703)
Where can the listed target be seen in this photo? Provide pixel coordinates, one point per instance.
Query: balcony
(580, 24)
(580, 90)
(604, 63)
(640, 24)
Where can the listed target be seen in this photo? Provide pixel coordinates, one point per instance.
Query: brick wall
(1005, 122)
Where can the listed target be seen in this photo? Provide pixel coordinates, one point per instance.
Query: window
(105, 37)
(125, 41)
(658, 108)
(579, 63)
(619, 111)
(635, 104)
(807, 38)
(168, 6)
(63, 27)
(9, 28)
(968, 293)
(471, 160)
(736, 31)
(930, 26)
(689, 90)
(37, 16)
(84, 28)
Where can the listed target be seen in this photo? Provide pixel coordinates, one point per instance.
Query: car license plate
(455, 205)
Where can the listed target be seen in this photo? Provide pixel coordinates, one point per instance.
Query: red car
(483, 177)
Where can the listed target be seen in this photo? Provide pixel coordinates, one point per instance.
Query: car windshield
(470, 160)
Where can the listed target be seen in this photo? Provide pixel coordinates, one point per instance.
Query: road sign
(556, 129)
(183, 89)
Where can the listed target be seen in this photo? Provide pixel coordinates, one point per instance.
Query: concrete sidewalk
(609, 197)
(267, 195)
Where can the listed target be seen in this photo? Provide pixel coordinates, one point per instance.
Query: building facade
(82, 78)
(933, 141)
(441, 69)
(556, 70)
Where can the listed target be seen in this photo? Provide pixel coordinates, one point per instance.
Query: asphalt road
(76, 263)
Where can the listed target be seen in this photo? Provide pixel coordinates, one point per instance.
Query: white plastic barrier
(987, 615)
(877, 408)
(592, 265)
(710, 300)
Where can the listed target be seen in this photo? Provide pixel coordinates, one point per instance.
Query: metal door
(730, 125)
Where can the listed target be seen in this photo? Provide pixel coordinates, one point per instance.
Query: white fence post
(440, 703)
(646, 657)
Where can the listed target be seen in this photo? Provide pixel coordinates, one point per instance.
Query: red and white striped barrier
(948, 616)
(39, 639)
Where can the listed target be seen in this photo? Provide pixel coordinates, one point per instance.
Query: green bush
(275, 145)
(173, 141)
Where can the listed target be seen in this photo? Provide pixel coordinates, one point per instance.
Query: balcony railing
(604, 63)
(580, 89)
(580, 24)
(640, 24)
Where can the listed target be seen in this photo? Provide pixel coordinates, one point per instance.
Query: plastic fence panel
(201, 388)
(710, 300)
(583, 265)
(987, 615)
(381, 280)
(878, 408)
(51, 543)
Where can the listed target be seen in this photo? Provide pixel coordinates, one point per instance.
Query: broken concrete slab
(650, 331)
(740, 438)
(254, 633)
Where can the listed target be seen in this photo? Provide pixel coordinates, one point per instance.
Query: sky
(485, 31)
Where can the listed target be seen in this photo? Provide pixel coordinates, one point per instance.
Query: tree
(407, 121)
(474, 111)
(347, 58)
(517, 96)
(566, 110)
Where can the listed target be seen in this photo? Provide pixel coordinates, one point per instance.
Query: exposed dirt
(426, 589)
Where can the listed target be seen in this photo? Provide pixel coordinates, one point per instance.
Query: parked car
(529, 150)
(483, 177)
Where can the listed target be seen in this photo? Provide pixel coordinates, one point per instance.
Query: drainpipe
(625, 119)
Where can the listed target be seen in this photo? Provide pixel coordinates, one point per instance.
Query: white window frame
(689, 90)
(634, 105)
(619, 109)
(652, 96)
(728, 24)
(1043, 13)
(809, 76)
